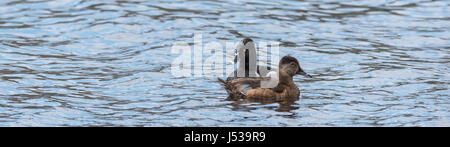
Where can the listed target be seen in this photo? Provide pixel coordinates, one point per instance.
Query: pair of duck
(246, 82)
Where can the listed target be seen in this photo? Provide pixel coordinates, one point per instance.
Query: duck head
(245, 56)
(290, 66)
(243, 49)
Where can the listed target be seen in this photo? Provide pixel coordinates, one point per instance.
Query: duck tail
(231, 90)
(223, 81)
(226, 85)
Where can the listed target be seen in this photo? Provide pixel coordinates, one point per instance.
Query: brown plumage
(250, 88)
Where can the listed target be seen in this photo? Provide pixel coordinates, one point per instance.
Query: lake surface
(108, 63)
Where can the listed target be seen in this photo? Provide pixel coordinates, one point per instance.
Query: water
(107, 63)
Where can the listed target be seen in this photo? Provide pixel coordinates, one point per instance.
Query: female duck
(254, 88)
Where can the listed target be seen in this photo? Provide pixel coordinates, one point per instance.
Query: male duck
(245, 57)
(257, 87)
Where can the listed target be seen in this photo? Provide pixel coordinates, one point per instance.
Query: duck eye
(293, 64)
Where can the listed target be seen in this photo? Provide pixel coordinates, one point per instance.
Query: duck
(246, 60)
(277, 86)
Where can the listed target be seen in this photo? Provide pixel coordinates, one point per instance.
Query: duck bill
(303, 73)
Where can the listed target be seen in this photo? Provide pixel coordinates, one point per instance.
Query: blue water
(107, 63)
